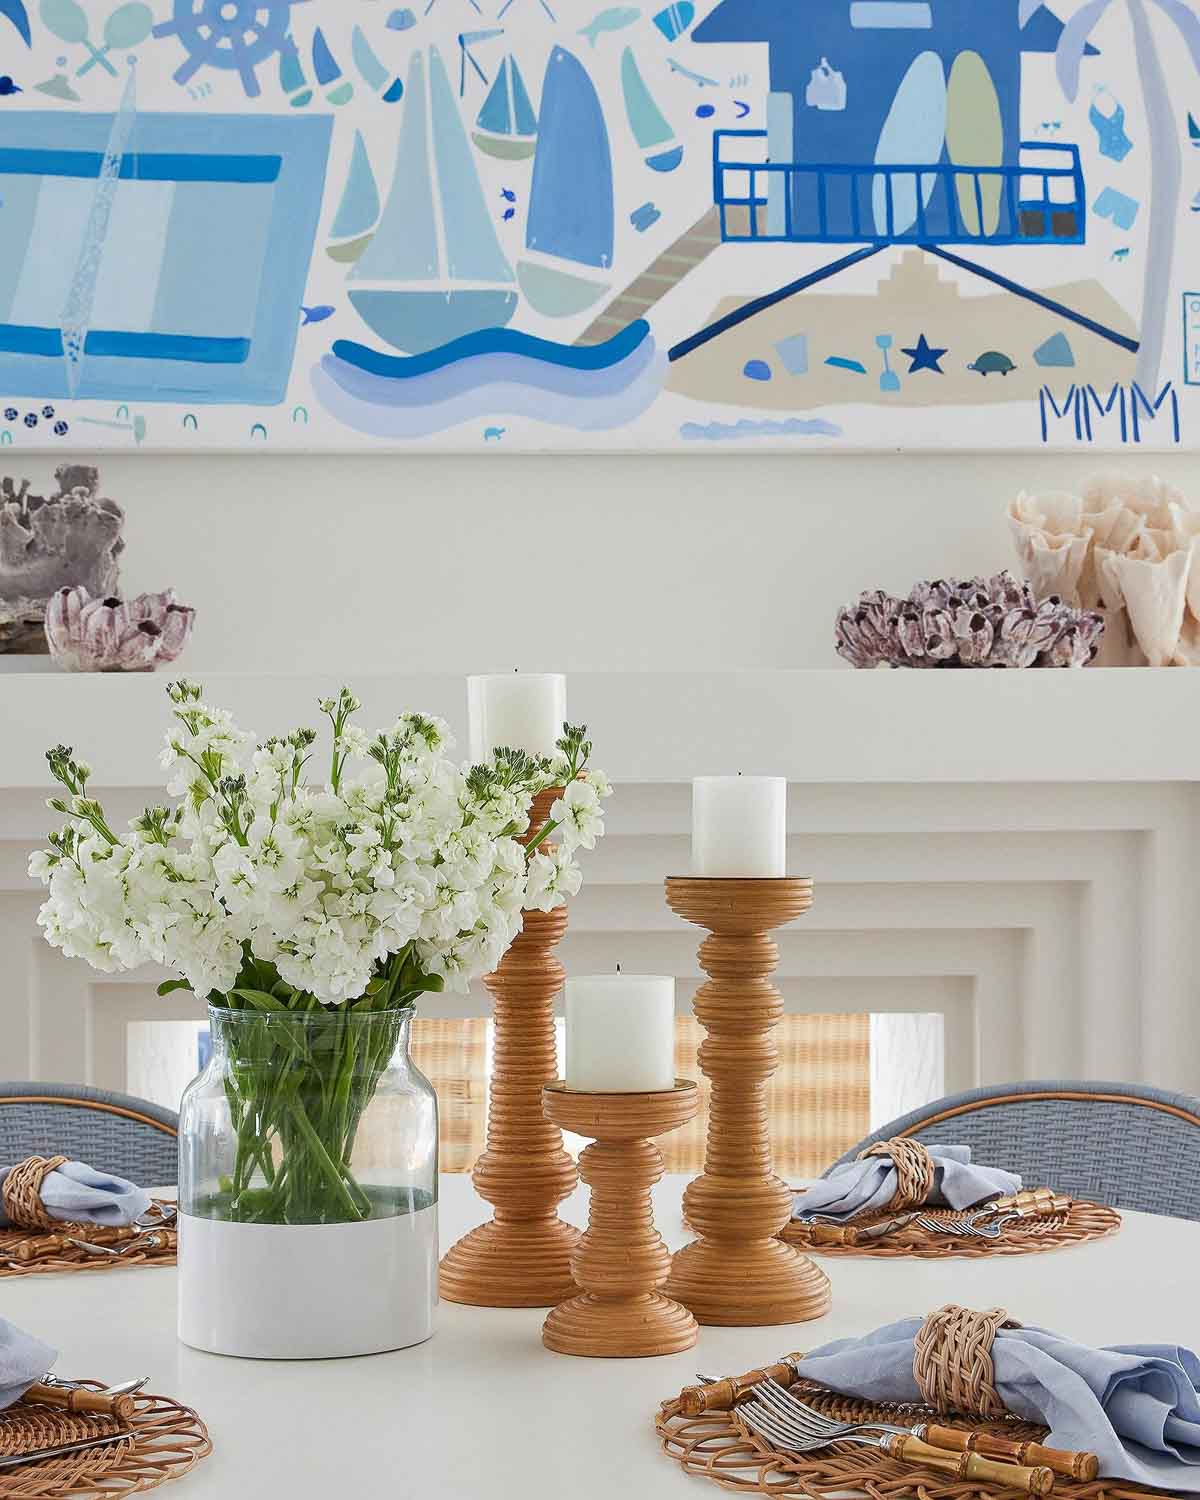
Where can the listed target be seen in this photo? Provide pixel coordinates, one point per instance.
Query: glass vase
(307, 1186)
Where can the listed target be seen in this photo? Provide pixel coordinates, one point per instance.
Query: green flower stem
(335, 1174)
(299, 1081)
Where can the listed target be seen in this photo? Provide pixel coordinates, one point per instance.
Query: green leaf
(259, 999)
(166, 987)
(432, 984)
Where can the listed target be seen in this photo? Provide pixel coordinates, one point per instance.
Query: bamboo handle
(1033, 1203)
(69, 1398)
(1070, 1465)
(117, 1235)
(45, 1244)
(971, 1466)
(49, 1244)
(831, 1234)
(723, 1395)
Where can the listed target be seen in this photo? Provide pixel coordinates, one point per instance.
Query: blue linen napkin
(862, 1186)
(78, 1194)
(23, 1359)
(1136, 1406)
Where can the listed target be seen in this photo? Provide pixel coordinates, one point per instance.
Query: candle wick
(618, 968)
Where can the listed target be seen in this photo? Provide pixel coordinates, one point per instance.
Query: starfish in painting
(923, 357)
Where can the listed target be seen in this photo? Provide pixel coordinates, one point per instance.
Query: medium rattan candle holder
(621, 1261)
(521, 1256)
(738, 1274)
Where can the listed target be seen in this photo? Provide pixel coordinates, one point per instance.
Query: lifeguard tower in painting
(893, 122)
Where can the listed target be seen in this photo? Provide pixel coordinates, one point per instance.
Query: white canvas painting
(512, 225)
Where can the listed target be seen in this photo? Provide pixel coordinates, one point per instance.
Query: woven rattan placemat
(1082, 1222)
(718, 1447)
(165, 1440)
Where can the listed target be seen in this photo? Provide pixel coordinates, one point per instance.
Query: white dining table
(483, 1410)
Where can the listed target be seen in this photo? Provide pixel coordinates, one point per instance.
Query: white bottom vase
(307, 1291)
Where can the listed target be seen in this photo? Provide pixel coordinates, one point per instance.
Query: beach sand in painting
(914, 298)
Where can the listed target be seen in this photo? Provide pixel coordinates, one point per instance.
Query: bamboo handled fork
(774, 1413)
(724, 1395)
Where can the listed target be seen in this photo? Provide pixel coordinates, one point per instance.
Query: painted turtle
(993, 363)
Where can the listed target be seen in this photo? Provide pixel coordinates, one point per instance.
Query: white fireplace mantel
(1015, 851)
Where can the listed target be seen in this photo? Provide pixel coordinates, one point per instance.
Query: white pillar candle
(739, 827)
(621, 1033)
(521, 710)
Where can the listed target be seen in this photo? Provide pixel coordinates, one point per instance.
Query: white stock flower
(410, 855)
(578, 813)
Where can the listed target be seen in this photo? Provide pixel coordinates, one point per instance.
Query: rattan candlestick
(621, 1261)
(521, 1257)
(738, 1274)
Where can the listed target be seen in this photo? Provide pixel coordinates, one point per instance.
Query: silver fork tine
(759, 1420)
(795, 1415)
(783, 1417)
(763, 1421)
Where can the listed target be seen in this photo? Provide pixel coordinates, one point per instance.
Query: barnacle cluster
(967, 622)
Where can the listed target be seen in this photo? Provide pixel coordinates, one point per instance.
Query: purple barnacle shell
(107, 635)
(911, 636)
(966, 622)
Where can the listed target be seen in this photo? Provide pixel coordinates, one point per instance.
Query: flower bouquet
(312, 916)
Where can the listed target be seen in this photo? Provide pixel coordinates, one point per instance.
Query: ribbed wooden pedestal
(738, 1274)
(520, 1257)
(621, 1261)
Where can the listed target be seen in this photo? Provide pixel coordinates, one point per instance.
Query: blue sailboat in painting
(650, 129)
(434, 269)
(569, 229)
(358, 208)
(506, 125)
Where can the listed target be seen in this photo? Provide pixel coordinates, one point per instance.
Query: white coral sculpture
(1128, 548)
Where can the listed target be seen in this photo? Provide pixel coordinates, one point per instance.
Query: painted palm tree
(1163, 141)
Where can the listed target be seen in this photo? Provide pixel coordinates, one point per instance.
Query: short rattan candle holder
(521, 1256)
(738, 1274)
(621, 1261)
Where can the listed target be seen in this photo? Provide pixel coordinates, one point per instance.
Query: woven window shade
(453, 1056)
(819, 1099)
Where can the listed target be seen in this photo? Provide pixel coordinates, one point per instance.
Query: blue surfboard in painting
(913, 133)
(570, 220)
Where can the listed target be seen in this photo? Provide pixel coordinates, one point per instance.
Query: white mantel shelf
(837, 726)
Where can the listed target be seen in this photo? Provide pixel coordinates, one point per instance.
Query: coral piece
(967, 622)
(108, 635)
(48, 543)
(1127, 548)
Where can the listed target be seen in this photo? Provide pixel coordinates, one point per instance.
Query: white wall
(718, 561)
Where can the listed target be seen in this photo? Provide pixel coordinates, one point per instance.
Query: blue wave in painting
(496, 341)
(721, 432)
(497, 372)
(492, 369)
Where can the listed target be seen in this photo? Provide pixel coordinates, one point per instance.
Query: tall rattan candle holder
(521, 1256)
(738, 1274)
(621, 1261)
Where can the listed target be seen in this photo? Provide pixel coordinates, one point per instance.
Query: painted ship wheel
(234, 35)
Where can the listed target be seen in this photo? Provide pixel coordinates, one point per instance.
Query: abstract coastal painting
(520, 225)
